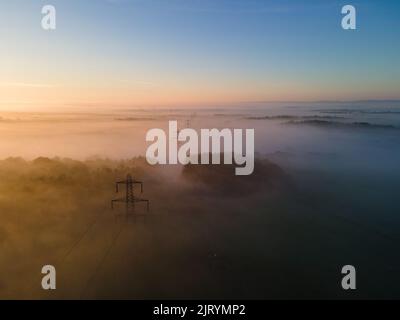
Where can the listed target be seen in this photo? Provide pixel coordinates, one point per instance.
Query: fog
(323, 195)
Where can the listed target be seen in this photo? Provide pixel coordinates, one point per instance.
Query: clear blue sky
(188, 51)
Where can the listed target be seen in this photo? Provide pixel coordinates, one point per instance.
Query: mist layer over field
(323, 195)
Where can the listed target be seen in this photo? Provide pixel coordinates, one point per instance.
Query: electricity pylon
(129, 198)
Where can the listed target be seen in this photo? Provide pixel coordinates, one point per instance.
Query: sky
(196, 52)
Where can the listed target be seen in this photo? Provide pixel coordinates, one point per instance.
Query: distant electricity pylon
(129, 198)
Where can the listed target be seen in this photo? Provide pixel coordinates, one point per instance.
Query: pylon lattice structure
(130, 199)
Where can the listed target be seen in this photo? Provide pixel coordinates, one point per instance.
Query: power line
(101, 262)
(76, 243)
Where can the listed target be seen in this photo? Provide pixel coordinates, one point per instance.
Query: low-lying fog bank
(208, 234)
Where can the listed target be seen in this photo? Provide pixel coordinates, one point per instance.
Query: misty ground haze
(323, 195)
